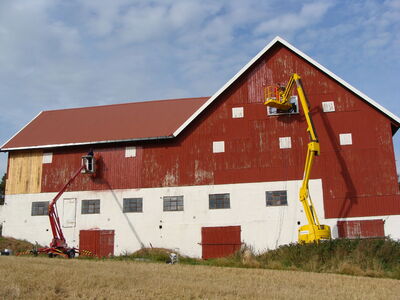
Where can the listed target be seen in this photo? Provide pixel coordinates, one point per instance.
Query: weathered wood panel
(24, 172)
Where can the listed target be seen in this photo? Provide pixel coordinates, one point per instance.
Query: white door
(69, 212)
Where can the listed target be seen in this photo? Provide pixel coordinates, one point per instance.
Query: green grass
(14, 244)
(361, 257)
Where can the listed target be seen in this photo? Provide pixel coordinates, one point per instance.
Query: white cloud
(291, 22)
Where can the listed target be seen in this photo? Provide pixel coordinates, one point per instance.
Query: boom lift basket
(272, 96)
(90, 164)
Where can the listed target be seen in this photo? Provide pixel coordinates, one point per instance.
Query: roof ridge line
(125, 103)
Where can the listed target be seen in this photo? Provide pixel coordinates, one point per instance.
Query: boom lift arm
(279, 98)
(58, 235)
(58, 245)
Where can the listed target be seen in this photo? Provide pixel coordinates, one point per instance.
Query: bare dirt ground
(45, 278)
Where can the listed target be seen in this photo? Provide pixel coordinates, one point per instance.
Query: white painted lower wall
(263, 227)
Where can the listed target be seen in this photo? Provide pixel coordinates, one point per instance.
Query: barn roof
(104, 124)
(141, 120)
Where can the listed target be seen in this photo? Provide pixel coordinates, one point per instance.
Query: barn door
(220, 241)
(69, 212)
(361, 228)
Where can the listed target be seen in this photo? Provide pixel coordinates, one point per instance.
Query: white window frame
(237, 112)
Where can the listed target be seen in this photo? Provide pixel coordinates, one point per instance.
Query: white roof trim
(85, 143)
(1, 148)
(301, 54)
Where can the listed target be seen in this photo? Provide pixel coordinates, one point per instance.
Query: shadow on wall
(100, 179)
(350, 198)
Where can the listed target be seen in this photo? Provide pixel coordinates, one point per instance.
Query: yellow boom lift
(278, 97)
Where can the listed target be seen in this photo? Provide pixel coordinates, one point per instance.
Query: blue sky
(58, 54)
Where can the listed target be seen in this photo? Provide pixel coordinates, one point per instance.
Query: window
(130, 151)
(40, 208)
(133, 205)
(285, 142)
(345, 139)
(47, 158)
(218, 147)
(217, 201)
(173, 203)
(272, 111)
(237, 112)
(328, 106)
(91, 206)
(276, 198)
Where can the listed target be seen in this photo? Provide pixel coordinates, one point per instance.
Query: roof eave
(86, 143)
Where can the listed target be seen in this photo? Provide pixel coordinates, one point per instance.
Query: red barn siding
(358, 180)
(114, 170)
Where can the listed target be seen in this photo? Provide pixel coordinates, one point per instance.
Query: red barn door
(220, 241)
(361, 228)
(98, 242)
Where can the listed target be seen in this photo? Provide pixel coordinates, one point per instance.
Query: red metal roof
(108, 123)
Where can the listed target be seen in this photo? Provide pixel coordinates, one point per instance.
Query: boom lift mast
(278, 97)
(58, 245)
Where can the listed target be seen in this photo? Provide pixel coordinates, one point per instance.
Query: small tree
(2, 189)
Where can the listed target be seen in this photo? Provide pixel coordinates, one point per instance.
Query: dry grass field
(45, 278)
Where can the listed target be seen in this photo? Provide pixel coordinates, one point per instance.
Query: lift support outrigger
(278, 97)
(58, 245)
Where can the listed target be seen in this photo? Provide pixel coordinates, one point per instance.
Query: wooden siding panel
(24, 172)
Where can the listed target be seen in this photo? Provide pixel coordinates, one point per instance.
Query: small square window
(47, 158)
(328, 106)
(345, 139)
(173, 203)
(237, 112)
(133, 205)
(276, 198)
(285, 142)
(219, 147)
(40, 208)
(90, 206)
(130, 152)
(217, 201)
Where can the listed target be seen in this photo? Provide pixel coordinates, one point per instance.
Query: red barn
(206, 175)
